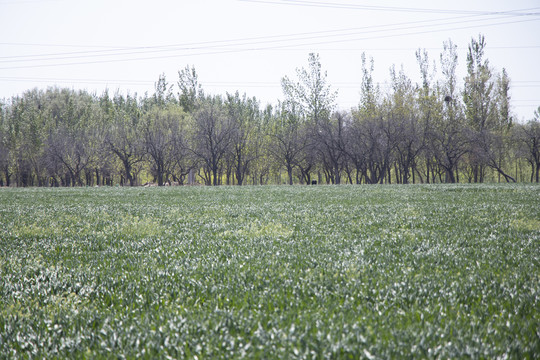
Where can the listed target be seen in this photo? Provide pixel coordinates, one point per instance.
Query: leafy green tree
(429, 110)
(447, 136)
(5, 146)
(26, 116)
(487, 100)
(314, 100)
(163, 94)
(504, 118)
(480, 109)
(362, 132)
(311, 95)
(190, 90)
(409, 139)
(500, 149)
(495, 142)
(263, 163)
(427, 130)
(477, 94)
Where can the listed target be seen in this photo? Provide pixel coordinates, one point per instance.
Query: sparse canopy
(431, 131)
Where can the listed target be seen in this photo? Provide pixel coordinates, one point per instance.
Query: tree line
(427, 132)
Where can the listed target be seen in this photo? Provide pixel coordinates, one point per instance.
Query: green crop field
(375, 272)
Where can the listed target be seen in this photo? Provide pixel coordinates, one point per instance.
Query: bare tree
(528, 140)
(307, 158)
(332, 142)
(122, 140)
(287, 140)
(357, 150)
(244, 114)
(213, 130)
(183, 160)
(492, 145)
(375, 141)
(160, 131)
(72, 148)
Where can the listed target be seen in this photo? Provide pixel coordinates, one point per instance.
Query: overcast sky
(249, 45)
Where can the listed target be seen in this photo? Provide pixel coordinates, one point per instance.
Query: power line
(217, 43)
(276, 46)
(78, 81)
(391, 8)
(287, 49)
(417, 32)
(17, 2)
(60, 45)
(122, 51)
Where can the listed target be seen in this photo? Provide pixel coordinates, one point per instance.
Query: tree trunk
(239, 175)
(289, 173)
(449, 176)
(215, 175)
(7, 175)
(159, 175)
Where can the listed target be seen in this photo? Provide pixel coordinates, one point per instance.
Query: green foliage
(432, 271)
(190, 89)
(370, 93)
(477, 94)
(412, 133)
(311, 95)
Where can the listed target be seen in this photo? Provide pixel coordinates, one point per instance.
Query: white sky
(249, 45)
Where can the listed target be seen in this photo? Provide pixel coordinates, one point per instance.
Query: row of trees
(420, 133)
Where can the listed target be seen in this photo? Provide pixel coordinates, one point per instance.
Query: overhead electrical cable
(336, 49)
(279, 46)
(215, 43)
(391, 8)
(113, 51)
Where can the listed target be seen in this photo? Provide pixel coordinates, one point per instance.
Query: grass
(419, 271)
